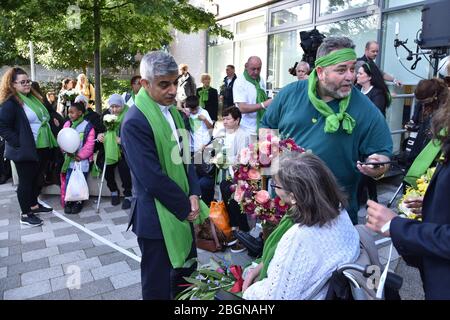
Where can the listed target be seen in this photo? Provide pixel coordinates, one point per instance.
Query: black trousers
(237, 218)
(31, 179)
(125, 176)
(158, 279)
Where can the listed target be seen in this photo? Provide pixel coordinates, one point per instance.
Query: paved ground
(45, 262)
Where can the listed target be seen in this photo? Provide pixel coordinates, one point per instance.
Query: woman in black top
(24, 126)
(208, 97)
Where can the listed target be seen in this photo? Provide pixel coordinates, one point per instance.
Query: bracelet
(262, 105)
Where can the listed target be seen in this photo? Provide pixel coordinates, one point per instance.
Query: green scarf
(261, 96)
(112, 149)
(333, 120)
(203, 96)
(195, 123)
(67, 158)
(422, 162)
(45, 138)
(177, 234)
(271, 243)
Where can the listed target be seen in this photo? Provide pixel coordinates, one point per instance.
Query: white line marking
(94, 235)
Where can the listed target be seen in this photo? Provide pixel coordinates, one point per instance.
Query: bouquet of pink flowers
(254, 163)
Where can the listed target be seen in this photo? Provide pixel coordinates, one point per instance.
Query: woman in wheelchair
(311, 241)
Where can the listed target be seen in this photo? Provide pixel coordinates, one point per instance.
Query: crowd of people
(336, 109)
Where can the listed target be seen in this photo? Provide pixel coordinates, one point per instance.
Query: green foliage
(110, 86)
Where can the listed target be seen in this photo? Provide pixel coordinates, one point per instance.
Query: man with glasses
(129, 97)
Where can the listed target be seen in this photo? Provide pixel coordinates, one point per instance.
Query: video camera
(310, 41)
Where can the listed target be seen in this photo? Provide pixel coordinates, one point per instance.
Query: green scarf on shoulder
(203, 96)
(67, 158)
(112, 149)
(45, 138)
(261, 96)
(422, 162)
(271, 243)
(332, 120)
(177, 234)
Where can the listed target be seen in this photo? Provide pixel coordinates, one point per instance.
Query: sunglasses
(23, 82)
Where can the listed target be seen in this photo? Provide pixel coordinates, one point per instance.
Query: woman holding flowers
(425, 245)
(312, 239)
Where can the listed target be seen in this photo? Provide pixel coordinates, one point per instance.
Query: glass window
(215, 40)
(251, 26)
(284, 51)
(360, 30)
(247, 48)
(291, 15)
(396, 3)
(334, 6)
(218, 58)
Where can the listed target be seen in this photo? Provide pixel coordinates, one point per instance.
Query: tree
(118, 29)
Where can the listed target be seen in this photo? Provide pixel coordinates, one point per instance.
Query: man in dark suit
(158, 195)
(226, 90)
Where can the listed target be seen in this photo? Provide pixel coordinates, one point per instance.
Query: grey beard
(331, 92)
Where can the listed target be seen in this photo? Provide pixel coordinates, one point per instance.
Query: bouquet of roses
(254, 163)
(422, 185)
(110, 122)
(70, 95)
(209, 278)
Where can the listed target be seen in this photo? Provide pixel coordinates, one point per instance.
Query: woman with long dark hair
(24, 124)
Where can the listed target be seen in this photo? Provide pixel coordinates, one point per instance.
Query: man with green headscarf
(249, 94)
(327, 115)
(166, 191)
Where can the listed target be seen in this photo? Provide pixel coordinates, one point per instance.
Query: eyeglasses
(23, 82)
(275, 186)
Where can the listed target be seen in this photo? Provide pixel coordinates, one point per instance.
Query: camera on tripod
(310, 41)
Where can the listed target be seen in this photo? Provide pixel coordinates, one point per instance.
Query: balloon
(69, 140)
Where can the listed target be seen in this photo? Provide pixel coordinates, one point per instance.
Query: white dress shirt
(165, 111)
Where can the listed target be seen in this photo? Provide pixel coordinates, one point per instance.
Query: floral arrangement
(70, 95)
(209, 278)
(110, 121)
(422, 185)
(255, 162)
(220, 158)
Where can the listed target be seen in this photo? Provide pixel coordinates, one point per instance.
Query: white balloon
(69, 140)
(443, 66)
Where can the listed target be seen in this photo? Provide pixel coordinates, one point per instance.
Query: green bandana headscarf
(177, 234)
(332, 120)
(45, 138)
(261, 96)
(112, 149)
(271, 243)
(67, 158)
(203, 96)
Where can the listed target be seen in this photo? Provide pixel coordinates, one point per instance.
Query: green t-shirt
(293, 114)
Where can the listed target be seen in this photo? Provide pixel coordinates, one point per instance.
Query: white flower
(110, 118)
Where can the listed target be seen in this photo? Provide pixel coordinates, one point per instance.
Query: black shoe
(41, 208)
(30, 219)
(77, 207)
(68, 207)
(115, 200)
(126, 204)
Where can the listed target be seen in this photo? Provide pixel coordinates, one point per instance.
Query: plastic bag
(219, 216)
(77, 187)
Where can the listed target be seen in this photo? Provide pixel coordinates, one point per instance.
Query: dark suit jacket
(149, 181)
(212, 105)
(426, 245)
(15, 129)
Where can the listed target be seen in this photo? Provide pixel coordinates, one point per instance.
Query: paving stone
(65, 231)
(36, 245)
(110, 258)
(126, 279)
(62, 240)
(9, 243)
(84, 265)
(134, 265)
(37, 237)
(3, 272)
(112, 209)
(129, 235)
(121, 220)
(127, 244)
(67, 281)
(41, 274)
(56, 295)
(67, 257)
(54, 219)
(27, 292)
(8, 283)
(92, 289)
(99, 250)
(118, 229)
(114, 238)
(4, 222)
(110, 270)
(26, 230)
(74, 246)
(133, 292)
(87, 220)
(24, 267)
(4, 236)
(10, 260)
(4, 252)
(38, 254)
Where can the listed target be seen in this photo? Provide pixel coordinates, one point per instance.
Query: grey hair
(334, 43)
(157, 63)
(305, 64)
(315, 189)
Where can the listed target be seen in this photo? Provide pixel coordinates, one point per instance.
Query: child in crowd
(114, 155)
(200, 123)
(84, 154)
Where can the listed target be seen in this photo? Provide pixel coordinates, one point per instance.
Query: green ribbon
(271, 243)
(112, 149)
(177, 234)
(332, 120)
(45, 138)
(422, 162)
(68, 158)
(261, 96)
(203, 96)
